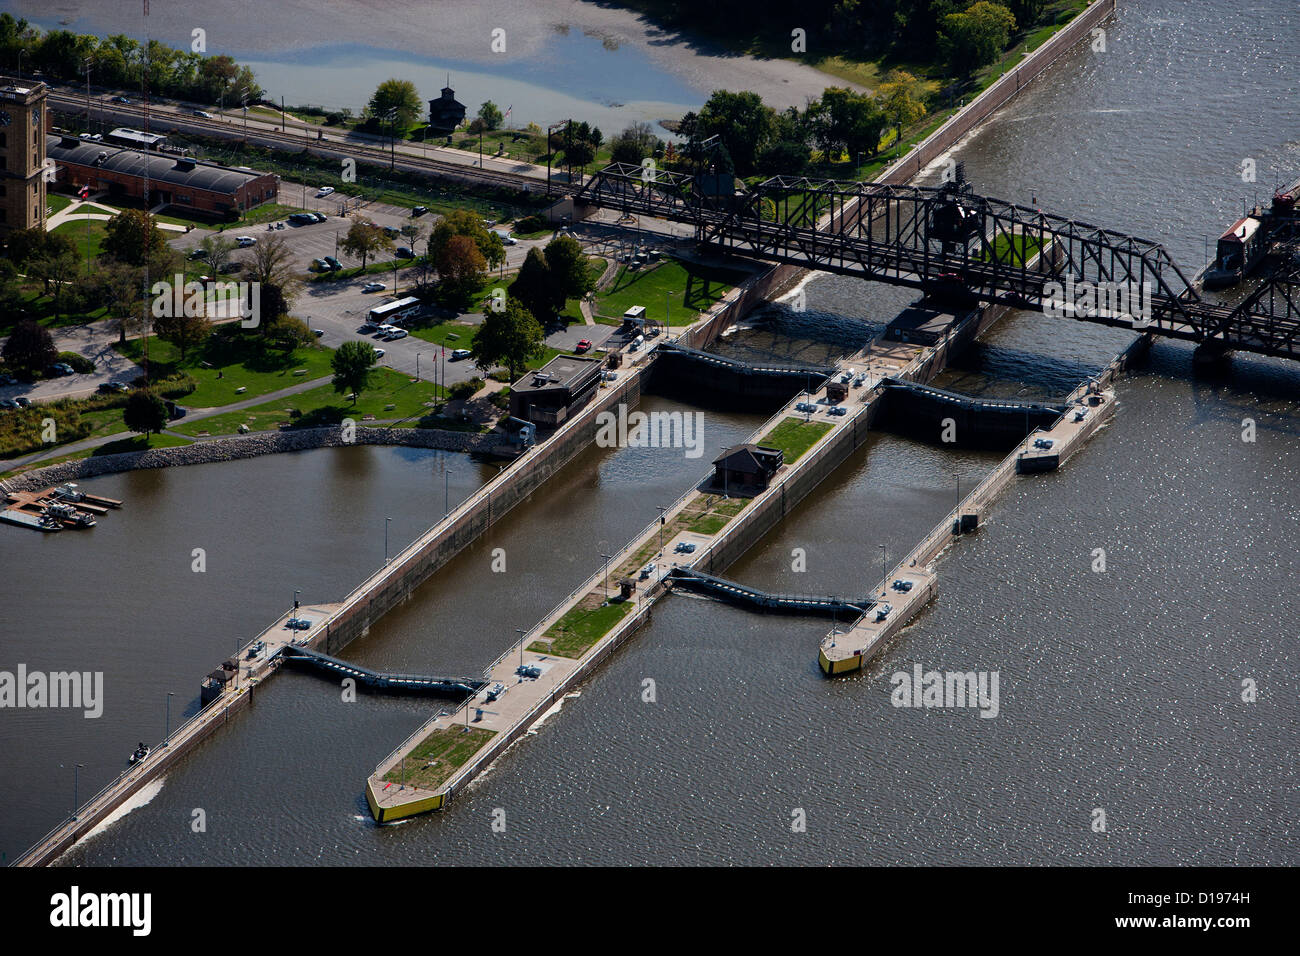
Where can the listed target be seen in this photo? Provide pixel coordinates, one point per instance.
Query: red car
(583, 346)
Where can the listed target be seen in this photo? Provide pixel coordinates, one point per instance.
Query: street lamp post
(883, 571)
(386, 523)
(606, 557)
(521, 632)
(167, 729)
(446, 491)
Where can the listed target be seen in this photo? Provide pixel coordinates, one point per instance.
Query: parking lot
(338, 309)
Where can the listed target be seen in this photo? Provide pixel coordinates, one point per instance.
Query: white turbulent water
(1119, 691)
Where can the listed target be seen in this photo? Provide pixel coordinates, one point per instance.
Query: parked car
(808, 407)
(458, 354)
(195, 254)
(583, 346)
(318, 216)
(298, 624)
(837, 410)
(245, 241)
(419, 210)
(120, 99)
(8, 403)
(396, 334)
(204, 113)
(684, 547)
(333, 263)
(23, 401)
(508, 239)
(60, 368)
(495, 691)
(391, 232)
(901, 586)
(301, 219)
(320, 265)
(324, 191)
(318, 332)
(882, 611)
(404, 252)
(380, 353)
(373, 287)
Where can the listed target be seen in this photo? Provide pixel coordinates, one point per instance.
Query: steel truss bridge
(947, 239)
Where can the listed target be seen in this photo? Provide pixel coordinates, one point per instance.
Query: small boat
(140, 753)
(70, 516)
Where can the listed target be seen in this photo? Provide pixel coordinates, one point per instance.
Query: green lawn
(84, 233)
(435, 758)
(450, 335)
(581, 627)
(231, 359)
(794, 436)
(693, 289)
(322, 405)
(57, 203)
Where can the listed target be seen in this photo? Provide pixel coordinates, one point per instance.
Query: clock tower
(22, 154)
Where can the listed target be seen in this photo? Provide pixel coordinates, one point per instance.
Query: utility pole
(167, 730)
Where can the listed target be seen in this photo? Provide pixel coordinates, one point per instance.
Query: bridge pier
(1211, 356)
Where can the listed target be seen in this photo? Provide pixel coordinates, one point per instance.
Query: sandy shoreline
(445, 30)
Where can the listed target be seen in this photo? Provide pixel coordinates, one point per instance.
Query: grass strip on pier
(435, 758)
(794, 437)
(581, 627)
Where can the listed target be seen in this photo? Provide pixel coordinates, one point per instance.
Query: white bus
(391, 313)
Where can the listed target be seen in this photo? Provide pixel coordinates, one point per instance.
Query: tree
(364, 240)
(398, 100)
(842, 120)
(900, 106)
(581, 142)
(29, 347)
(463, 222)
(567, 266)
(511, 338)
(186, 332)
(132, 237)
(287, 333)
(634, 144)
(976, 36)
(352, 363)
(741, 122)
(120, 292)
(534, 289)
(215, 251)
(271, 267)
(491, 116)
(461, 269)
(144, 412)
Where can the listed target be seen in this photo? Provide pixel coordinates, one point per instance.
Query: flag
(84, 191)
(508, 109)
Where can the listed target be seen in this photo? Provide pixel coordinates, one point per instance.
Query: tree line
(119, 61)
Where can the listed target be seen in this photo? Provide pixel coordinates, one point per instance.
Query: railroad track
(261, 134)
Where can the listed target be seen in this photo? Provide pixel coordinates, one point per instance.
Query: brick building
(210, 189)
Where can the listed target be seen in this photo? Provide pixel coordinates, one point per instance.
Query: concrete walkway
(102, 213)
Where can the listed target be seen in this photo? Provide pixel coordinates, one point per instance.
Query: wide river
(1119, 691)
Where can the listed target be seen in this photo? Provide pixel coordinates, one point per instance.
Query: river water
(548, 59)
(1119, 691)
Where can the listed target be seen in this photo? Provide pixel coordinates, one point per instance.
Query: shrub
(466, 389)
(529, 224)
(80, 364)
